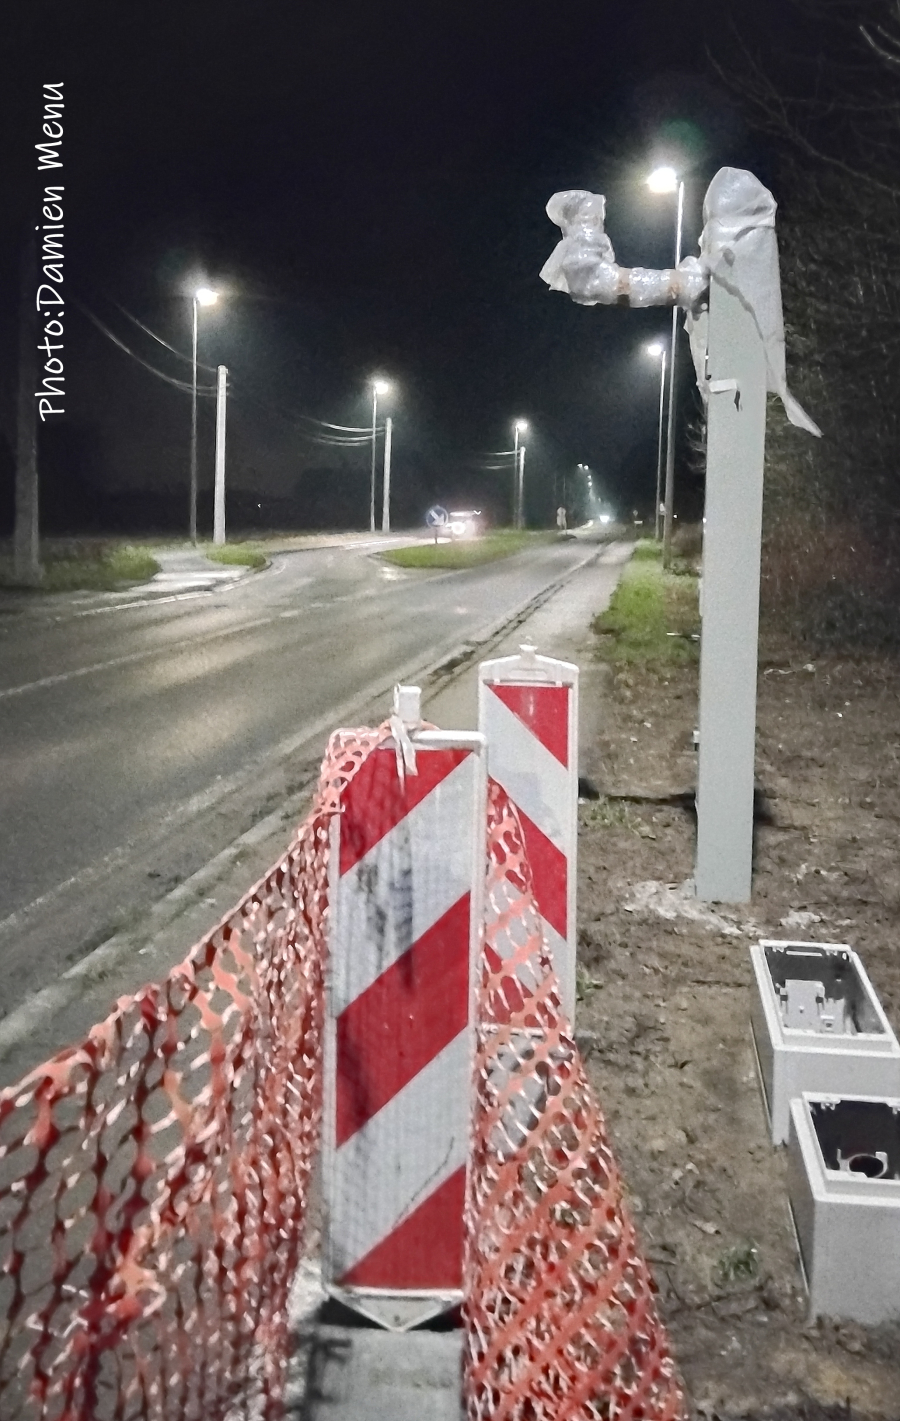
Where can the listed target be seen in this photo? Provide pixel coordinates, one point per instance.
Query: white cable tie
(404, 748)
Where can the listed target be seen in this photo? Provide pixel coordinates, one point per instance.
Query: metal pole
(515, 517)
(520, 521)
(26, 544)
(219, 496)
(193, 509)
(386, 482)
(736, 434)
(670, 435)
(372, 478)
(659, 452)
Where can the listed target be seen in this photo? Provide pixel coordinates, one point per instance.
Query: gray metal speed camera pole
(732, 534)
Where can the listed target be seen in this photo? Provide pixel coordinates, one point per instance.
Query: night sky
(366, 185)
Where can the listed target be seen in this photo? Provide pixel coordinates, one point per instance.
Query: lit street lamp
(658, 351)
(379, 387)
(589, 486)
(665, 180)
(520, 427)
(203, 296)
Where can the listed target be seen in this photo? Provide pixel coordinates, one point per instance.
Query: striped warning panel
(399, 1036)
(528, 712)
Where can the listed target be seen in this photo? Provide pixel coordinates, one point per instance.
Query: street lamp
(586, 470)
(202, 296)
(519, 427)
(666, 180)
(657, 350)
(379, 387)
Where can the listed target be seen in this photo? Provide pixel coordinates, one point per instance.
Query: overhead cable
(205, 390)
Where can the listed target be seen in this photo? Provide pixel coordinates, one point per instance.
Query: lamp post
(203, 296)
(658, 351)
(379, 387)
(520, 427)
(664, 180)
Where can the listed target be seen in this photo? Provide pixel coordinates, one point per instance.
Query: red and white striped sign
(407, 868)
(528, 713)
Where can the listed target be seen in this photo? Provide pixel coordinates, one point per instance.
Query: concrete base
(365, 1374)
(817, 1026)
(844, 1191)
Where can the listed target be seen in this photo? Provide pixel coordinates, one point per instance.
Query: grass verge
(236, 555)
(96, 570)
(653, 615)
(464, 554)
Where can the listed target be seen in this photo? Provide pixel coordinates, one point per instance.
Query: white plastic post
(406, 888)
(219, 493)
(386, 482)
(736, 433)
(528, 713)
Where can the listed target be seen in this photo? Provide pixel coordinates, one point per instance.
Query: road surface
(138, 739)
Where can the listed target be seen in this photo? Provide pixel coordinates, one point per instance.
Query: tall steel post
(386, 481)
(219, 495)
(670, 433)
(736, 436)
(192, 523)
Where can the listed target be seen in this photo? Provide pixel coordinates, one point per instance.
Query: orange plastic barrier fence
(154, 1179)
(560, 1316)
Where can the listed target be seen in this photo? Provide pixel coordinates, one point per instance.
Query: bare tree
(833, 506)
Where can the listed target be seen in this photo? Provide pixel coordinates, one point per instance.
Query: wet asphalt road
(121, 728)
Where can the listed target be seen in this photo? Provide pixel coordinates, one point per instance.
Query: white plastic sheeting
(738, 247)
(583, 264)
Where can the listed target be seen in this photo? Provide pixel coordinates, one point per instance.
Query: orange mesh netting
(154, 1179)
(560, 1316)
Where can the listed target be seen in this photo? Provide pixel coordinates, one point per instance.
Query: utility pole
(219, 495)
(520, 492)
(26, 534)
(386, 481)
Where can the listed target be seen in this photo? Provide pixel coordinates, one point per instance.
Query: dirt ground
(664, 1002)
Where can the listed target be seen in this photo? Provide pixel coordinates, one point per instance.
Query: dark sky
(367, 183)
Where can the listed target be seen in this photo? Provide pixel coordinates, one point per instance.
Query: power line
(200, 366)
(205, 390)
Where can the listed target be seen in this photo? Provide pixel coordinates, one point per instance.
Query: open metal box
(818, 1026)
(844, 1191)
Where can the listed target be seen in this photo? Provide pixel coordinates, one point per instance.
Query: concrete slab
(363, 1374)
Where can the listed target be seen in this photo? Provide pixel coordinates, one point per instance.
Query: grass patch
(653, 614)
(464, 554)
(95, 569)
(236, 555)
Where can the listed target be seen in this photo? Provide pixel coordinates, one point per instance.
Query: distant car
(465, 523)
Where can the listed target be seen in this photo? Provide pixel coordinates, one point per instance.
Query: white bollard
(406, 894)
(528, 713)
